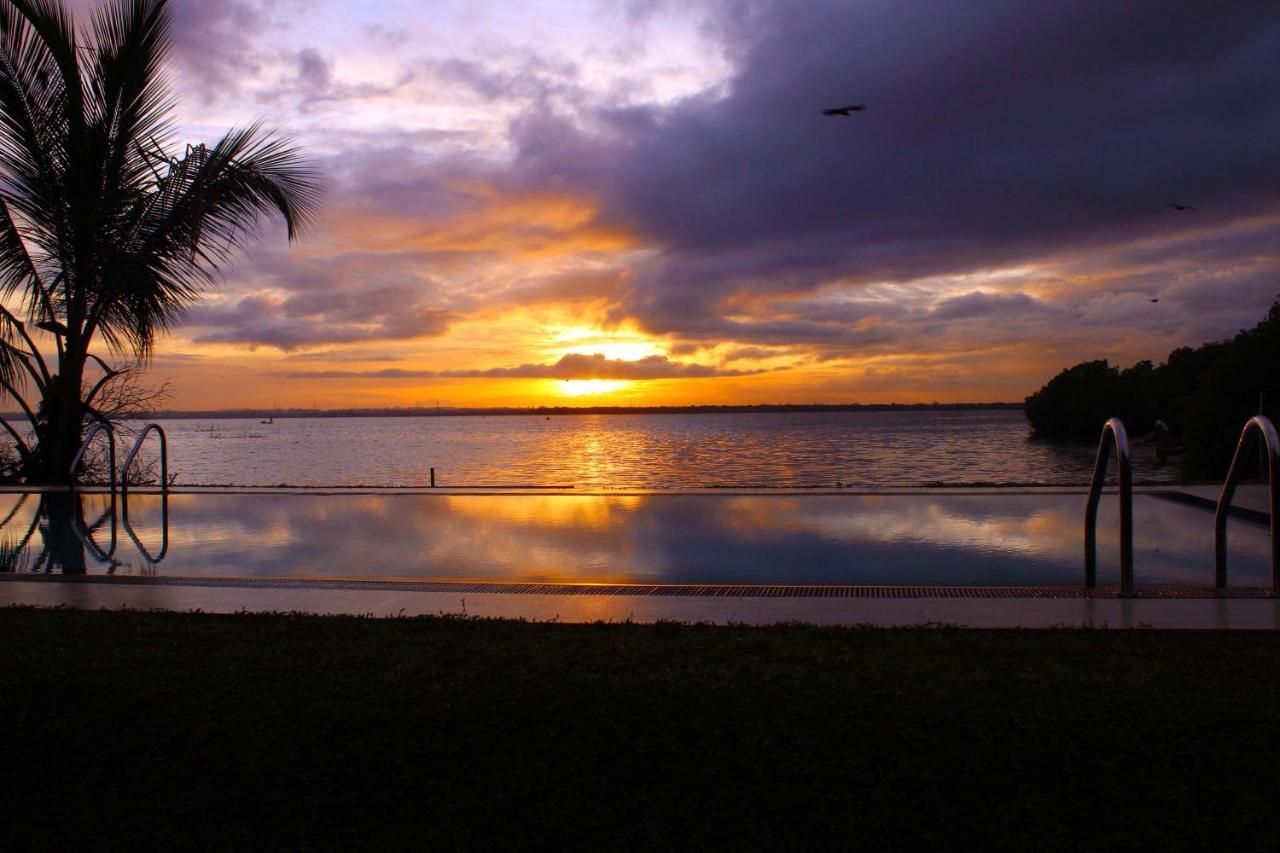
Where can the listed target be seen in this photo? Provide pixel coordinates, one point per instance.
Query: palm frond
(52, 23)
(201, 213)
(17, 269)
(251, 172)
(33, 137)
(17, 349)
(131, 103)
(12, 370)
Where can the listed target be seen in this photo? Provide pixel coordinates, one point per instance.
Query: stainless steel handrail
(84, 445)
(85, 535)
(152, 560)
(164, 493)
(1113, 432)
(1267, 430)
(133, 452)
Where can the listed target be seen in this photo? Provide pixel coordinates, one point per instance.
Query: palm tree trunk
(64, 421)
(61, 511)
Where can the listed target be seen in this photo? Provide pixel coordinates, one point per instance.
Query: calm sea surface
(635, 451)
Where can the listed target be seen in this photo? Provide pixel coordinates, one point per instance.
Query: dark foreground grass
(166, 731)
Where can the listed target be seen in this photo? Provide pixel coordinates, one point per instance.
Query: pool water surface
(985, 537)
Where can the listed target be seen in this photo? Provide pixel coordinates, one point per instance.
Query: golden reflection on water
(591, 512)
(548, 538)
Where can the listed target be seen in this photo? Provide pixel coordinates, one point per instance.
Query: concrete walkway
(1001, 609)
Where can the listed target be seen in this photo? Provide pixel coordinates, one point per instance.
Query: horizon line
(446, 411)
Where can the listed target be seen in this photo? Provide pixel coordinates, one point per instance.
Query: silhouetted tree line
(1204, 395)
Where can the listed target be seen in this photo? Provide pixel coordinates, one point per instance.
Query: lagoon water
(666, 451)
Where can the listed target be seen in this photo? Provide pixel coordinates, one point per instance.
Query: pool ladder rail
(1114, 435)
(107, 429)
(133, 453)
(105, 556)
(1261, 426)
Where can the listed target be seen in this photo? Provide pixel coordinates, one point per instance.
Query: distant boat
(268, 421)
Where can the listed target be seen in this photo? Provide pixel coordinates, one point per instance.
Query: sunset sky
(588, 202)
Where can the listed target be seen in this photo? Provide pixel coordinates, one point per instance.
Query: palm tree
(107, 231)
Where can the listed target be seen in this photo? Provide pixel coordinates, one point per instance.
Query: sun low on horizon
(574, 203)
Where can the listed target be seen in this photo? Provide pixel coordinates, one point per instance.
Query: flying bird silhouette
(1177, 206)
(845, 111)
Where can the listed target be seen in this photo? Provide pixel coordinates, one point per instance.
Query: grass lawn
(162, 731)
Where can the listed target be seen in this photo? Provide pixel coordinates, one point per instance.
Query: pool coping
(678, 590)
(829, 491)
(380, 601)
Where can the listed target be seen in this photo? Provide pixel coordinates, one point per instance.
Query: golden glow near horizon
(529, 320)
(593, 387)
(584, 340)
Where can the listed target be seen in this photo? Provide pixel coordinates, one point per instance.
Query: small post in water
(433, 478)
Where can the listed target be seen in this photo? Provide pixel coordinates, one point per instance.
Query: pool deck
(975, 607)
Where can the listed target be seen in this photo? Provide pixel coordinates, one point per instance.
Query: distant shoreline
(230, 414)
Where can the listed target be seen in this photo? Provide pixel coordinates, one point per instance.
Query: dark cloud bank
(995, 132)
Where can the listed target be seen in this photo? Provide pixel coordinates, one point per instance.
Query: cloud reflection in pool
(924, 538)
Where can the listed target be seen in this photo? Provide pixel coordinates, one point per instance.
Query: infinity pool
(971, 538)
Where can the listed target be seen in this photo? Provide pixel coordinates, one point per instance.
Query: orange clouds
(520, 226)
